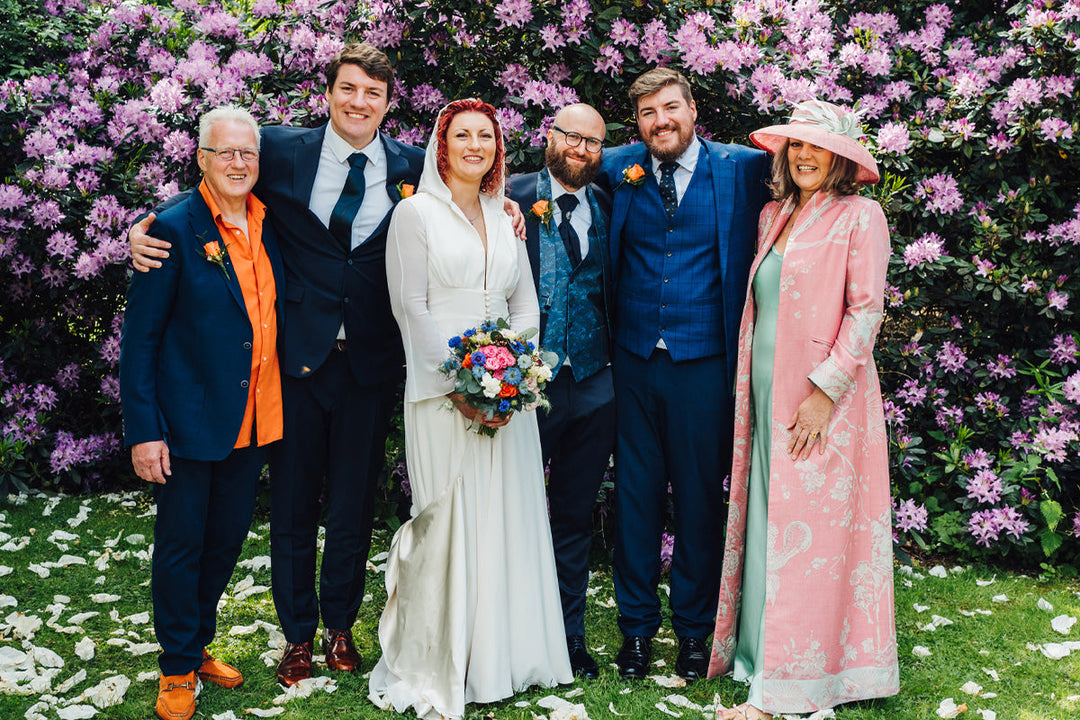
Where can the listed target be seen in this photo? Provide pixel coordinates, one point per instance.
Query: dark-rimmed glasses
(226, 154)
(573, 139)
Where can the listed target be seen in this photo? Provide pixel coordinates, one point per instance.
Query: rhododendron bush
(969, 108)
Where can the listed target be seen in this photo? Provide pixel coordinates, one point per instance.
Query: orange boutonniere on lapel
(217, 253)
(405, 190)
(633, 175)
(542, 210)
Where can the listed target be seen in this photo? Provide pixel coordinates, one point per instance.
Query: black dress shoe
(634, 657)
(693, 662)
(581, 662)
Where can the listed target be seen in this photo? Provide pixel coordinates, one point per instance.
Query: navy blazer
(738, 176)
(326, 282)
(186, 343)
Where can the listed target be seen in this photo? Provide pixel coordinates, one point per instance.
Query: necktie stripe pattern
(570, 239)
(348, 204)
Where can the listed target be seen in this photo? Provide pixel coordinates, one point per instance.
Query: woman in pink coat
(805, 613)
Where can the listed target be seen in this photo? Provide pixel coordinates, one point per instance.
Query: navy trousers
(204, 512)
(577, 437)
(675, 427)
(334, 438)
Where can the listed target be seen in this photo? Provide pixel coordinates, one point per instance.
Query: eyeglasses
(573, 139)
(226, 154)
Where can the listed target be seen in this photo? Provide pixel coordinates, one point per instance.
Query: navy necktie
(352, 195)
(667, 188)
(570, 239)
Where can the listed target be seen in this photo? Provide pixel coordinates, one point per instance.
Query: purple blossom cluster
(986, 526)
(908, 516)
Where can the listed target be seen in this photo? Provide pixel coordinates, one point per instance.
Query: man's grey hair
(222, 114)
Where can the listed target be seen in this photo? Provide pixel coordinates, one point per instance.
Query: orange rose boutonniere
(542, 210)
(405, 190)
(217, 253)
(633, 175)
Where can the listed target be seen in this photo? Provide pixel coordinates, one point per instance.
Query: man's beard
(665, 155)
(576, 177)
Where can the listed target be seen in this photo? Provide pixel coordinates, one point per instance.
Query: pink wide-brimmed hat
(821, 123)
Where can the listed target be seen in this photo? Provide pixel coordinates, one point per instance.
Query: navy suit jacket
(186, 343)
(326, 282)
(522, 190)
(738, 177)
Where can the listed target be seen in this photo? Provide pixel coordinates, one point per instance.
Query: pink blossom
(608, 61)
(894, 138)
(942, 194)
(513, 13)
(1054, 129)
(1071, 388)
(928, 248)
(498, 358)
(1057, 300)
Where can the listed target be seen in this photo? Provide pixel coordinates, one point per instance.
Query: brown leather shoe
(219, 673)
(176, 696)
(295, 663)
(340, 651)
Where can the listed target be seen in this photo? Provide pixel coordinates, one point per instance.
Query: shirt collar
(687, 161)
(342, 149)
(255, 208)
(557, 190)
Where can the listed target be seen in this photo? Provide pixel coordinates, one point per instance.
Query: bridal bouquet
(498, 370)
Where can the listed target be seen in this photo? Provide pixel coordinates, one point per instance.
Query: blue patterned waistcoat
(669, 277)
(572, 300)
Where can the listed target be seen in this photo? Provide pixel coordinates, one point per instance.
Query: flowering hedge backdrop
(971, 111)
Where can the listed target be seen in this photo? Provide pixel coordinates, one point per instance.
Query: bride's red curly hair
(493, 178)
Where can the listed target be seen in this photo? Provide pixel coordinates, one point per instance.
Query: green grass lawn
(996, 639)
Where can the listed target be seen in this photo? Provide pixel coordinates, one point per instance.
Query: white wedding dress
(472, 611)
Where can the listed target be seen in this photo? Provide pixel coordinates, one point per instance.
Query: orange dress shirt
(256, 276)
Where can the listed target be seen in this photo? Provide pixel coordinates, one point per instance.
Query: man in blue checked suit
(683, 227)
(568, 255)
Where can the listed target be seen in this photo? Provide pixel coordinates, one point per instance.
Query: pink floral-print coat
(830, 635)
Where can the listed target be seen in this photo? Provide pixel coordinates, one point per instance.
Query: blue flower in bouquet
(478, 359)
(470, 332)
(489, 326)
(512, 376)
(525, 362)
(455, 341)
(451, 364)
(478, 371)
(504, 405)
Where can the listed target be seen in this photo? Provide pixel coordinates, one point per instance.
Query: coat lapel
(306, 163)
(621, 203)
(723, 180)
(204, 230)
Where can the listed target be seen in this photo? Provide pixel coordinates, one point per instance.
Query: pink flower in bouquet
(498, 358)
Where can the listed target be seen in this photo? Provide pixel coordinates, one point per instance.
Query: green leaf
(1050, 542)
(1052, 513)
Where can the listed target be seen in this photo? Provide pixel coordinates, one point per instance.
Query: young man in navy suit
(568, 254)
(683, 226)
(330, 191)
(200, 390)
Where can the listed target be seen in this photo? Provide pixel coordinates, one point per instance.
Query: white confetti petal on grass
(1063, 624)
(938, 571)
(1042, 604)
(47, 658)
(7, 601)
(80, 618)
(522, 704)
(262, 562)
(987, 714)
(5, 570)
(80, 518)
(148, 675)
(76, 712)
(102, 598)
(62, 536)
(38, 569)
(135, 539)
(305, 688)
(108, 692)
(85, 648)
(971, 688)
(668, 681)
(227, 715)
(139, 618)
(23, 626)
(941, 621)
(660, 663)
(992, 673)
(1054, 651)
(920, 608)
(624, 691)
(1000, 598)
(70, 682)
(265, 712)
(69, 560)
(15, 544)
(949, 709)
(662, 707)
(613, 711)
(920, 651)
(574, 693)
(984, 583)
(606, 603)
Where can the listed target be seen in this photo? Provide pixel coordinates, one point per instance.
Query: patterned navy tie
(352, 195)
(570, 239)
(667, 188)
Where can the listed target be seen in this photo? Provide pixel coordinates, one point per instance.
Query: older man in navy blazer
(331, 190)
(683, 226)
(201, 395)
(568, 254)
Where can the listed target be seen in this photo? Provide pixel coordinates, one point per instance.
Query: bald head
(574, 165)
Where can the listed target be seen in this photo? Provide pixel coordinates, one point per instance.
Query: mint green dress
(750, 644)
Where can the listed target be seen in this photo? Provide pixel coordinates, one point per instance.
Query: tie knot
(357, 160)
(567, 203)
(667, 169)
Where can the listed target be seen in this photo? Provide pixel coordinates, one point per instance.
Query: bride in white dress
(472, 611)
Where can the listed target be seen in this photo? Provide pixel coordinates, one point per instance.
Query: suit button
(663, 305)
(247, 346)
(662, 328)
(349, 261)
(669, 253)
(345, 300)
(243, 383)
(666, 279)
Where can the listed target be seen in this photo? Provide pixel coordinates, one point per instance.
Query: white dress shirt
(330, 179)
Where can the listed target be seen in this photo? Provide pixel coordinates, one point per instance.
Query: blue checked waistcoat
(669, 276)
(573, 301)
